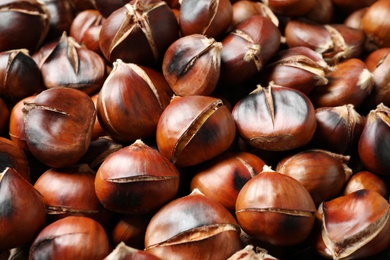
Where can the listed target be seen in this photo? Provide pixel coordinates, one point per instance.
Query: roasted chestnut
(139, 32)
(58, 126)
(276, 209)
(134, 94)
(192, 64)
(275, 118)
(353, 226)
(136, 179)
(194, 129)
(193, 227)
(73, 237)
(22, 211)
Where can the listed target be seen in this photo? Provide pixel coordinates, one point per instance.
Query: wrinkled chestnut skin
(276, 209)
(12, 156)
(58, 133)
(133, 94)
(72, 66)
(321, 172)
(374, 142)
(208, 17)
(275, 118)
(73, 237)
(20, 76)
(194, 129)
(182, 230)
(192, 64)
(23, 23)
(353, 226)
(136, 179)
(77, 199)
(366, 180)
(22, 211)
(222, 178)
(247, 48)
(139, 32)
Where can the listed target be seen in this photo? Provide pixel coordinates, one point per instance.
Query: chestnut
(61, 17)
(322, 12)
(134, 94)
(72, 66)
(222, 178)
(299, 68)
(58, 133)
(130, 229)
(375, 58)
(22, 211)
(374, 142)
(338, 129)
(136, 179)
(290, 7)
(354, 19)
(193, 227)
(350, 82)
(20, 76)
(97, 130)
(246, 49)
(82, 22)
(275, 118)
(123, 252)
(77, 199)
(194, 129)
(276, 209)
(207, 17)
(192, 64)
(321, 172)
(24, 24)
(108, 7)
(4, 116)
(346, 7)
(353, 226)
(376, 25)
(366, 180)
(139, 32)
(13, 157)
(73, 237)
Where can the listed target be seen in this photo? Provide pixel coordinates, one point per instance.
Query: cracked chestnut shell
(58, 126)
(134, 94)
(136, 179)
(22, 211)
(193, 227)
(192, 64)
(275, 118)
(276, 209)
(23, 24)
(73, 237)
(374, 142)
(353, 226)
(194, 129)
(139, 32)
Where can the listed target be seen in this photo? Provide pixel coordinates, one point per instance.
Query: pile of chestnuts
(194, 129)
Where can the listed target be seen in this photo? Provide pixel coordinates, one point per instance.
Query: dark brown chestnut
(290, 7)
(374, 142)
(193, 227)
(207, 17)
(13, 157)
(349, 82)
(353, 226)
(22, 211)
(61, 16)
(24, 24)
(346, 7)
(72, 66)
(246, 49)
(322, 12)
(321, 172)
(136, 179)
(192, 64)
(73, 237)
(4, 117)
(275, 118)
(77, 199)
(20, 76)
(338, 129)
(106, 7)
(366, 180)
(222, 178)
(139, 32)
(134, 94)
(58, 133)
(194, 129)
(276, 209)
